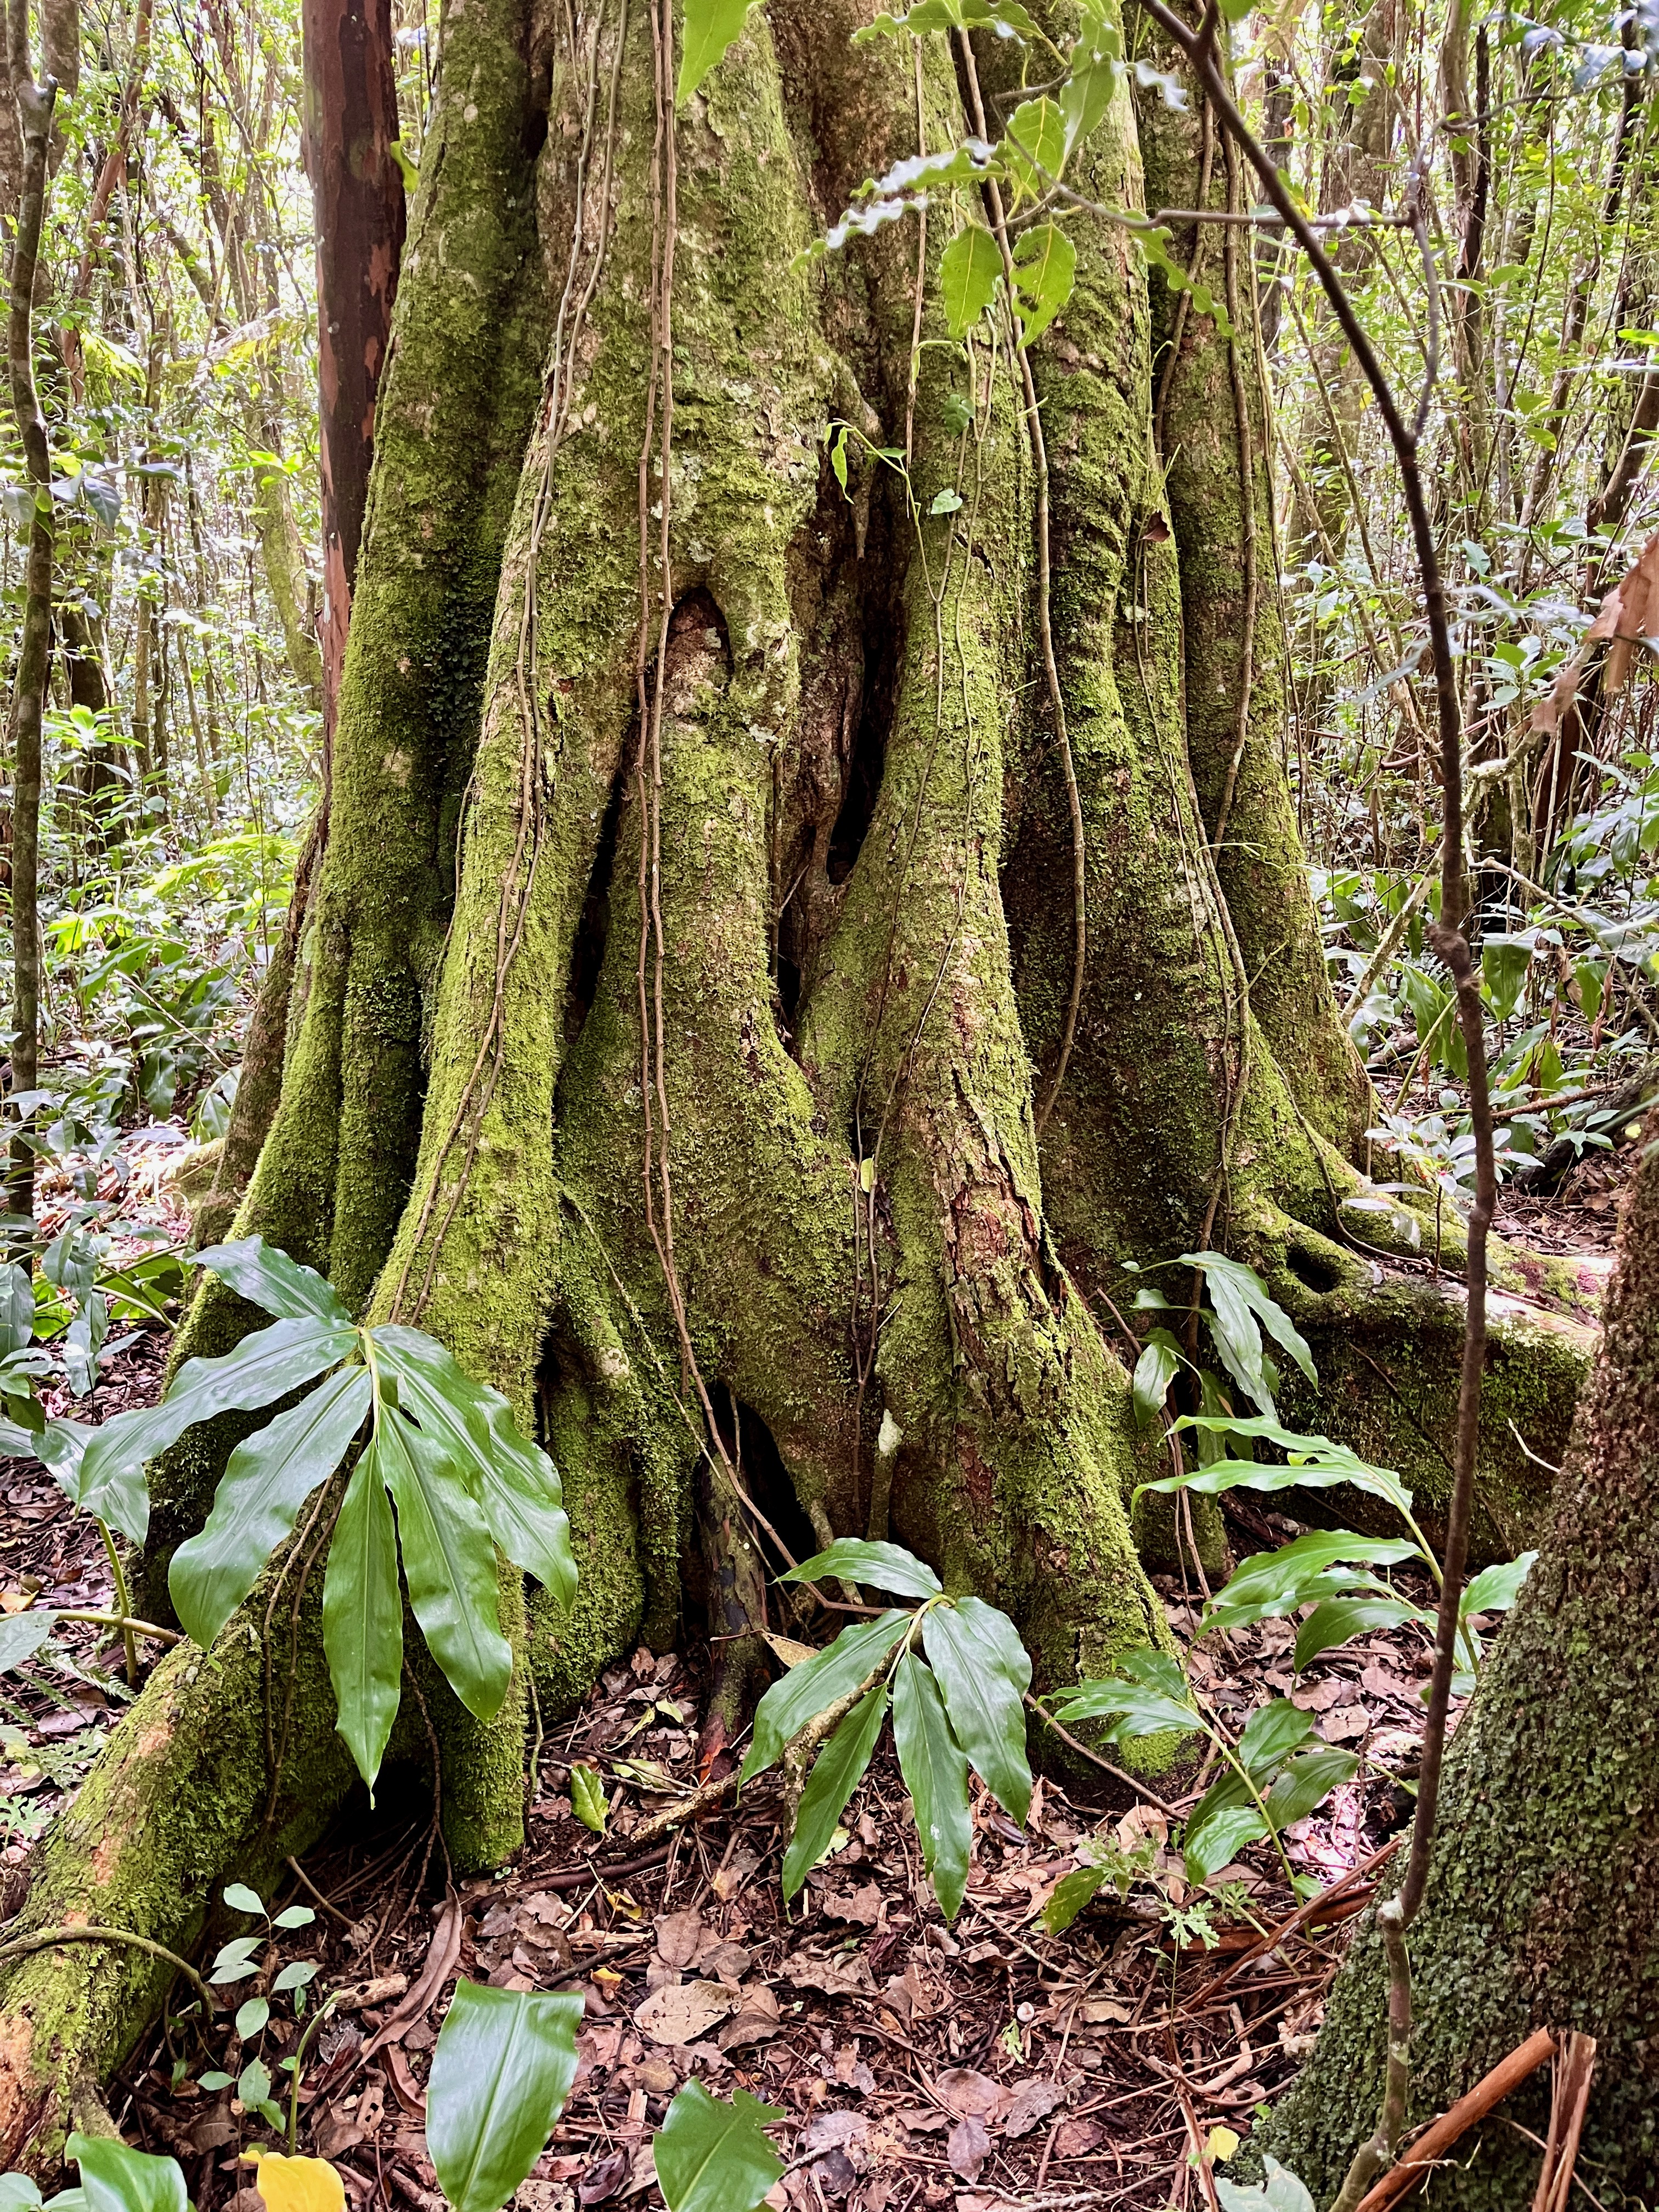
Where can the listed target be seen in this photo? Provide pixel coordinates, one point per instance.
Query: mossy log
(690, 955)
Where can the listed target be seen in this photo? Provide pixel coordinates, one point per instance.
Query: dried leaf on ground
(685, 2012)
(968, 2147)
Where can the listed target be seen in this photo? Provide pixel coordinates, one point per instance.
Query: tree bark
(686, 953)
(33, 105)
(1542, 1908)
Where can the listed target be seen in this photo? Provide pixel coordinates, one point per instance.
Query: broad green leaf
(817, 1682)
(270, 1475)
(449, 1562)
(1034, 148)
(707, 29)
(1069, 1896)
(1280, 2193)
(500, 2074)
(587, 1799)
(268, 1279)
(1145, 1696)
(252, 2016)
(1091, 79)
(968, 272)
(19, 2192)
(1272, 1733)
(1316, 1463)
(1241, 1300)
(240, 1898)
(936, 1775)
(984, 1673)
(1045, 268)
(363, 1618)
(295, 1976)
(1156, 1368)
(1335, 1620)
(836, 1772)
(1307, 1781)
(1005, 17)
(514, 1480)
(1505, 963)
(1270, 1584)
(235, 1960)
(1495, 1589)
(117, 2179)
(22, 1635)
(714, 2157)
(265, 1366)
(294, 1916)
(1225, 1819)
(877, 1566)
(16, 1310)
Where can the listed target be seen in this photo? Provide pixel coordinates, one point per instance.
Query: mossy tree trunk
(691, 951)
(1542, 1906)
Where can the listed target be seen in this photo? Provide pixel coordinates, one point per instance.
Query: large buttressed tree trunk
(1542, 1905)
(694, 946)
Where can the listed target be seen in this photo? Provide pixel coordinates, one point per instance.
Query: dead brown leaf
(968, 2147)
(685, 2012)
(971, 2095)
(1034, 2099)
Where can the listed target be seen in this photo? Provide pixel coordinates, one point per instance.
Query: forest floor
(985, 2064)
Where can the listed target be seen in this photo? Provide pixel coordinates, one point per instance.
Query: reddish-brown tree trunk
(357, 186)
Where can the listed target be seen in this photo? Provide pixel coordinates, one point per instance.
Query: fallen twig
(1437, 2138)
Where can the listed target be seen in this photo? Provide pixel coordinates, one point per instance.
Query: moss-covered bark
(669, 1040)
(1542, 1906)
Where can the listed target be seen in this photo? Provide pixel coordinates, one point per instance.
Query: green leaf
(363, 1618)
(836, 1772)
(1505, 963)
(1307, 1781)
(1155, 1370)
(1045, 268)
(295, 1976)
(1035, 147)
(253, 2083)
(235, 1960)
(22, 1635)
(708, 30)
(515, 1481)
(1336, 1621)
(1316, 1463)
(16, 1310)
(1280, 2193)
(713, 2157)
(1146, 1695)
(252, 2016)
(587, 1799)
(1225, 1819)
(1069, 1896)
(117, 2179)
(1270, 1584)
(1272, 1733)
(1091, 78)
(18, 2192)
(817, 1682)
(1495, 1589)
(984, 1674)
(936, 1775)
(877, 1566)
(240, 1898)
(294, 1916)
(1241, 1300)
(268, 1279)
(270, 1477)
(500, 2075)
(449, 1562)
(1005, 17)
(968, 272)
(265, 1365)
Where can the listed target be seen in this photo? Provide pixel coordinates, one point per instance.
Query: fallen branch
(1573, 2077)
(1437, 2139)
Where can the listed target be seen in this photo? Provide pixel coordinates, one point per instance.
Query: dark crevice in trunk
(764, 1477)
(593, 931)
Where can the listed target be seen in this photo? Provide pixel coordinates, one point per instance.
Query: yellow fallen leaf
(1222, 2145)
(297, 2185)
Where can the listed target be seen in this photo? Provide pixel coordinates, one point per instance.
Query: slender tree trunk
(1542, 1908)
(351, 121)
(35, 106)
